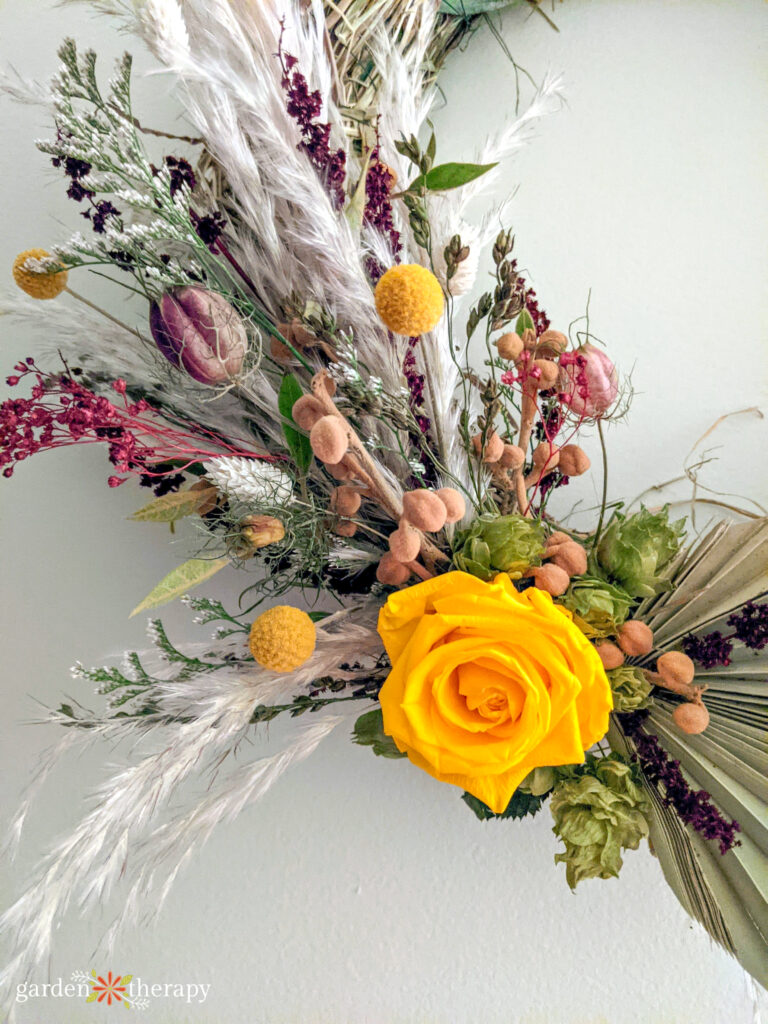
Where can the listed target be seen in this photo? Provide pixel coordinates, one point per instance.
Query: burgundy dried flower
(304, 107)
(750, 625)
(693, 807)
(709, 650)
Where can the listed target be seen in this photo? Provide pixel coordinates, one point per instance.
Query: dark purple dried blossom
(304, 107)
(378, 211)
(709, 650)
(100, 214)
(209, 228)
(181, 174)
(750, 625)
(692, 807)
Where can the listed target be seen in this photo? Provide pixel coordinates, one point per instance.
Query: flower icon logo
(109, 989)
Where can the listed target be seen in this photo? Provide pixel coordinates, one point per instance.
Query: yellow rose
(488, 683)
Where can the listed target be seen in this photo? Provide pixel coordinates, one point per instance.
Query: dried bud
(548, 374)
(341, 470)
(390, 571)
(296, 334)
(455, 506)
(573, 460)
(328, 438)
(589, 382)
(345, 528)
(552, 344)
(425, 510)
(345, 500)
(691, 718)
(510, 346)
(571, 557)
(546, 454)
(405, 542)
(306, 412)
(280, 352)
(676, 668)
(635, 638)
(259, 531)
(512, 457)
(610, 655)
(198, 331)
(554, 540)
(529, 338)
(551, 578)
(494, 447)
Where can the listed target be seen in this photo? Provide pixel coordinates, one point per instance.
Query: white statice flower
(250, 480)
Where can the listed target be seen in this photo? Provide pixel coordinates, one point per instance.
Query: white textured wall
(361, 891)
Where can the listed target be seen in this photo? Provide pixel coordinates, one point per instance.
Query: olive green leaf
(369, 732)
(170, 507)
(179, 580)
(298, 443)
(520, 805)
(524, 322)
(448, 176)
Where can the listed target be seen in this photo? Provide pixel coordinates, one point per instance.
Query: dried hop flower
(409, 299)
(282, 638)
(39, 284)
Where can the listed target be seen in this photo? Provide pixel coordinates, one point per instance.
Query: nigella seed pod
(199, 331)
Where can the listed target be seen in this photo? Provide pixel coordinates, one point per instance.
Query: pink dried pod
(341, 470)
(551, 578)
(552, 343)
(691, 718)
(306, 412)
(676, 668)
(345, 500)
(546, 375)
(328, 438)
(635, 638)
(571, 557)
(555, 539)
(455, 506)
(546, 454)
(345, 528)
(424, 509)
(390, 571)
(573, 460)
(494, 447)
(589, 382)
(512, 457)
(405, 542)
(510, 346)
(199, 331)
(610, 655)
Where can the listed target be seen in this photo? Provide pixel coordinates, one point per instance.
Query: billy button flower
(282, 638)
(409, 299)
(43, 283)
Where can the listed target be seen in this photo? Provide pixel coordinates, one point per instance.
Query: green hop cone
(599, 810)
(631, 690)
(600, 604)
(500, 544)
(634, 550)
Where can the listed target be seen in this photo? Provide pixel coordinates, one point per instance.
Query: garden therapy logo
(110, 989)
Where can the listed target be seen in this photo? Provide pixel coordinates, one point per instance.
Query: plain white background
(360, 891)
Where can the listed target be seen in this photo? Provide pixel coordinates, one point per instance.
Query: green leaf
(369, 732)
(524, 323)
(298, 443)
(519, 806)
(447, 176)
(171, 507)
(179, 580)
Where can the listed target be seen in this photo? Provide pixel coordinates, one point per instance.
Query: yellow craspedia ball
(282, 638)
(409, 299)
(39, 286)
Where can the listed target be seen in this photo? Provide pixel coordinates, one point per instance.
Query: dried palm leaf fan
(727, 893)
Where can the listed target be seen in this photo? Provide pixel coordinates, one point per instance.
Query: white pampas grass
(250, 480)
(122, 839)
(165, 31)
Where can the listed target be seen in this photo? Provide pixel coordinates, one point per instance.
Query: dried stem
(528, 415)
(691, 691)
